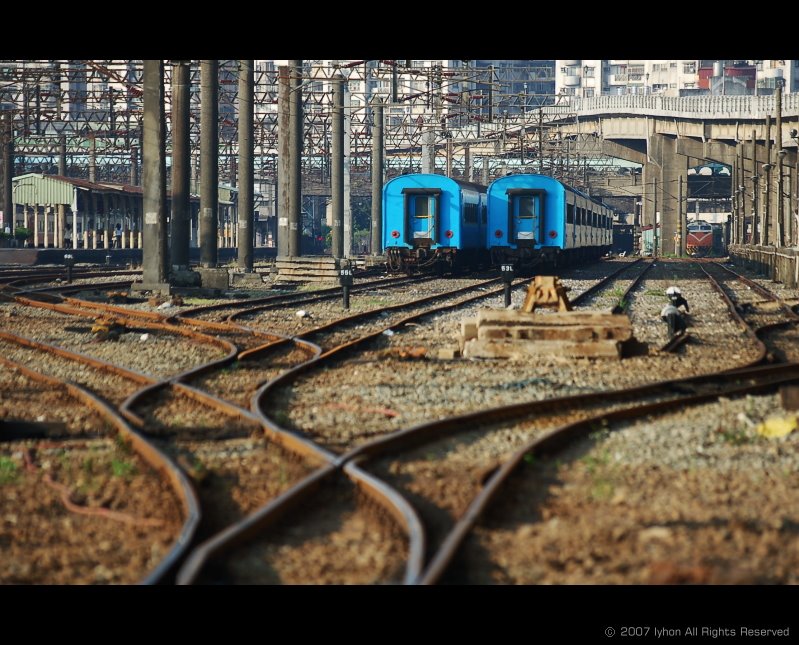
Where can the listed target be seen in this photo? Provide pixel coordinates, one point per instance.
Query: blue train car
(535, 219)
(433, 221)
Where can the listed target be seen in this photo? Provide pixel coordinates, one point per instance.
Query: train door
(525, 215)
(422, 212)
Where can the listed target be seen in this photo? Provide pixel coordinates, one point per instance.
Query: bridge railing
(718, 107)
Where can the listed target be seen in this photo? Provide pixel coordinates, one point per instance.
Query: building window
(588, 92)
(673, 65)
(589, 72)
(689, 86)
(673, 85)
(689, 68)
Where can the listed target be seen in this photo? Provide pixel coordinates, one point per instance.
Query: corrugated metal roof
(33, 188)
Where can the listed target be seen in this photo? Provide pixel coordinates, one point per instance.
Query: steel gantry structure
(82, 118)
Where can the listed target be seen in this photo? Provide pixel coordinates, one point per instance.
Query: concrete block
(449, 353)
(214, 278)
(184, 278)
(254, 280)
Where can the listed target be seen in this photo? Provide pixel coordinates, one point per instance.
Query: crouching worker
(675, 295)
(672, 317)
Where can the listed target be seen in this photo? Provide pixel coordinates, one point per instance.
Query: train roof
(566, 187)
(435, 177)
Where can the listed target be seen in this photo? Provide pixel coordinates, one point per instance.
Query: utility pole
(154, 231)
(540, 141)
(764, 232)
(337, 169)
(655, 223)
(246, 166)
(209, 162)
(295, 176)
(680, 227)
(7, 170)
(756, 226)
(181, 166)
(284, 160)
(491, 94)
(377, 176)
(780, 223)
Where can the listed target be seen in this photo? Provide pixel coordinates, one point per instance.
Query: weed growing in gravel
(122, 468)
(9, 470)
(602, 490)
(88, 466)
(655, 292)
(374, 302)
(595, 461)
(618, 292)
(122, 445)
(281, 418)
(734, 436)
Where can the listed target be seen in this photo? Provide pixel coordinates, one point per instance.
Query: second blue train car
(433, 221)
(535, 219)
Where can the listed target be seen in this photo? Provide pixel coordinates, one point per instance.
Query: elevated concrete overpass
(668, 135)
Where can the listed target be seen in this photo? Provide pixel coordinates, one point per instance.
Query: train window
(470, 213)
(570, 213)
(421, 206)
(528, 206)
(593, 219)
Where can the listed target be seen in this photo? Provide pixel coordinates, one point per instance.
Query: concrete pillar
(295, 175)
(650, 172)
(349, 228)
(62, 155)
(337, 166)
(7, 171)
(449, 158)
(61, 226)
(377, 175)
(125, 240)
(428, 152)
(181, 166)
(754, 234)
(245, 242)
(779, 236)
(92, 160)
(154, 231)
(284, 160)
(486, 171)
(209, 162)
(92, 217)
(681, 219)
(766, 232)
(663, 150)
(468, 171)
(108, 204)
(46, 211)
(75, 215)
(134, 165)
(36, 226)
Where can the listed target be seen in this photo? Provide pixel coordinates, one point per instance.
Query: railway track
(77, 479)
(438, 477)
